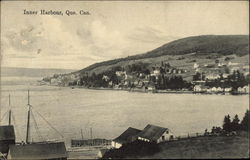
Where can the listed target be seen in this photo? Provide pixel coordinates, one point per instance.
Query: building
(232, 64)
(219, 89)
(152, 133)
(38, 151)
(126, 137)
(225, 75)
(7, 137)
(200, 88)
(196, 66)
(228, 89)
(214, 89)
(244, 89)
(212, 76)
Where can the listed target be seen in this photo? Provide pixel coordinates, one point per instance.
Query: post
(28, 121)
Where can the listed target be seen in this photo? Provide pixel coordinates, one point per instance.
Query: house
(126, 137)
(232, 64)
(120, 73)
(240, 90)
(152, 133)
(106, 78)
(214, 89)
(196, 66)
(225, 75)
(200, 88)
(38, 151)
(212, 76)
(155, 73)
(246, 89)
(228, 89)
(219, 89)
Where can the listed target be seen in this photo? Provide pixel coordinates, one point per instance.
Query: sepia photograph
(108, 79)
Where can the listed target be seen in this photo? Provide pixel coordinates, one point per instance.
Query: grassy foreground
(198, 147)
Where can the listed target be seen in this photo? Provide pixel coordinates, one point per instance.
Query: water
(109, 113)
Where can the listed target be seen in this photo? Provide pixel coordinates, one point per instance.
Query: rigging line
(36, 127)
(4, 115)
(49, 124)
(16, 128)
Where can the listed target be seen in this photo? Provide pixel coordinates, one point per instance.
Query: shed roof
(152, 132)
(7, 133)
(127, 135)
(38, 151)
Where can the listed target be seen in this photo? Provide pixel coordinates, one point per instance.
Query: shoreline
(155, 91)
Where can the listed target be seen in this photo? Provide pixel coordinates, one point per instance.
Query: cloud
(150, 35)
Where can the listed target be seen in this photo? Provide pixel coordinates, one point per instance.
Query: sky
(112, 30)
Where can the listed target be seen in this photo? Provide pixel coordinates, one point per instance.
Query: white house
(200, 88)
(152, 133)
(232, 64)
(212, 76)
(244, 89)
(228, 89)
(126, 137)
(214, 89)
(196, 66)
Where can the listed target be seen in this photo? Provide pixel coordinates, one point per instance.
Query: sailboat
(45, 150)
(7, 136)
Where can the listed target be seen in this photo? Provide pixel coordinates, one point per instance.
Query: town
(217, 77)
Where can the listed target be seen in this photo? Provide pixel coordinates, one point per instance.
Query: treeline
(233, 125)
(173, 82)
(234, 80)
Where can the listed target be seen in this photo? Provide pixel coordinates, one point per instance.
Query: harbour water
(109, 112)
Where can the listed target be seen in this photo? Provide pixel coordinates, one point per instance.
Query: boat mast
(28, 122)
(91, 136)
(9, 111)
(81, 134)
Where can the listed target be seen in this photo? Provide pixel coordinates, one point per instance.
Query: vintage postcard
(124, 80)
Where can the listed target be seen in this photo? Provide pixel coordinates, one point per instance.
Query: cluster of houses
(151, 133)
(148, 81)
(206, 89)
(213, 71)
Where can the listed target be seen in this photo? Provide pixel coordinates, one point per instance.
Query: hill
(199, 45)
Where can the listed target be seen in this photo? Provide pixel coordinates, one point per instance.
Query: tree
(227, 124)
(235, 123)
(245, 123)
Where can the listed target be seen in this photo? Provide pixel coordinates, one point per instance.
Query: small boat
(45, 150)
